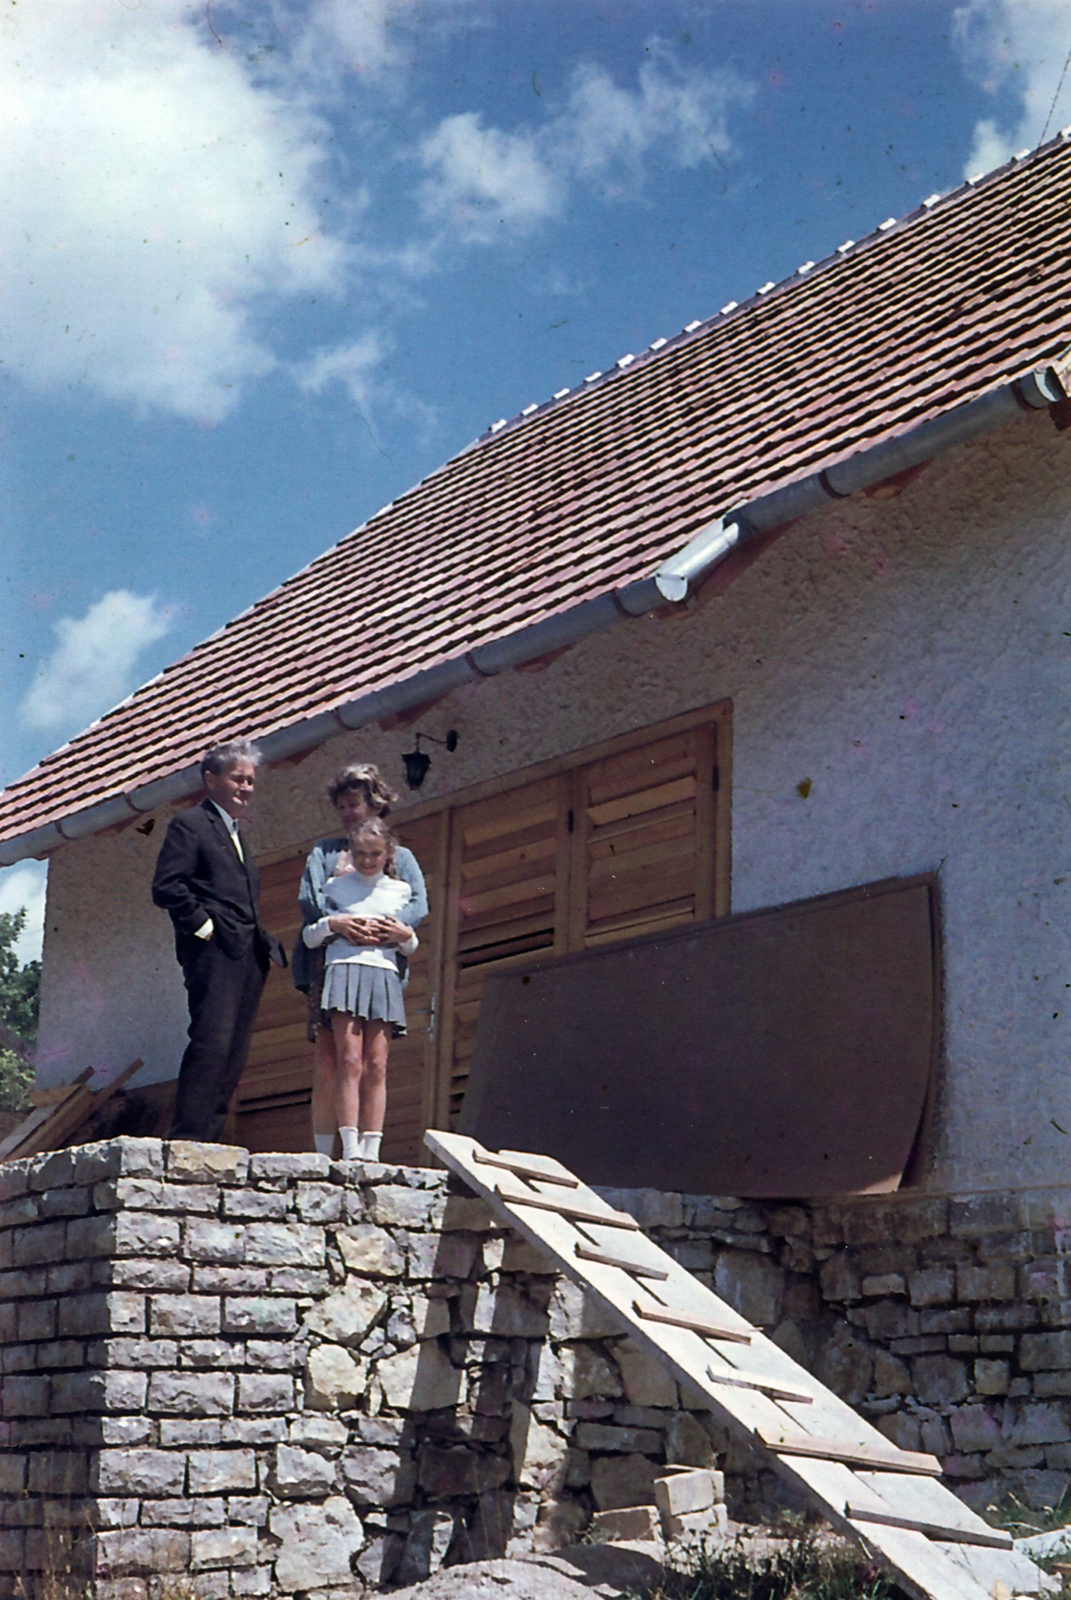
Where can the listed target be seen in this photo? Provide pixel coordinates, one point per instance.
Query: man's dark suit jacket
(199, 875)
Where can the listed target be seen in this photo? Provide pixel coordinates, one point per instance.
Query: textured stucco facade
(912, 658)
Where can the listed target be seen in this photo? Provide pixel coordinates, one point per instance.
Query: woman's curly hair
(366, 777)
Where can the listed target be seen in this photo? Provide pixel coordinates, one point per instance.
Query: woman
(358, 793)
(362, 992)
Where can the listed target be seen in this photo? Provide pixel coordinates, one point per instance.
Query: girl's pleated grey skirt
(372, 993)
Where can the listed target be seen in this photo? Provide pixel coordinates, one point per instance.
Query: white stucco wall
(911, 657)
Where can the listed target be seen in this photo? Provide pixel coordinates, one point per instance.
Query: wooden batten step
(773, 1391)
(575, 1210)
(529, 1167)
(934, 1545)
(704, 1326)
(853, 1455)
(640, 1269)
(947, 1532)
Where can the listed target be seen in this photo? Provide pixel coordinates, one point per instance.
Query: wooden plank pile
(889, 1500)
(59, 1113)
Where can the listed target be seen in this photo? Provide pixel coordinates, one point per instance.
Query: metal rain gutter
(669, 585)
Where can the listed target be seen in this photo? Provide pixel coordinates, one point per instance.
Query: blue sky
(269, 264)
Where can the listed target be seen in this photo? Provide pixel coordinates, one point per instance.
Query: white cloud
(92, 666)
(338, 36)
(485, 182)
(359, 366)
(481, 179)
(166, 168)
(350, 364)
(153, 197)
(24, 887)
(1016, 47)
(686, 109)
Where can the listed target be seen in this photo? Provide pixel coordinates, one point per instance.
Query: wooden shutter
(506, 897)
(644, 839)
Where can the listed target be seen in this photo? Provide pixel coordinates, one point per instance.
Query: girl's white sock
(351, 1144)
(370, 1146)
(325, 1143)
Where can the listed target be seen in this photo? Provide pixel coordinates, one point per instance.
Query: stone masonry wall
(274, 1375)
(234, 1375)
(945, 1320)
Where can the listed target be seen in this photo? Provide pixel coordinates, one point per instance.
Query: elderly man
(208, 883)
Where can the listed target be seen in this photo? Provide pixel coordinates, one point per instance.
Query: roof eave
(670, 584)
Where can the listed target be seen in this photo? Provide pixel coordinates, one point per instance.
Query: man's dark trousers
(223, 993)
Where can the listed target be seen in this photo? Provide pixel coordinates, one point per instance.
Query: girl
(362, 991)
(357, 793)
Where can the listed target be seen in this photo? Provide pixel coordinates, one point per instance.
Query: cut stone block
(697, 1525)
(538, 1451)
(622, 1481)
(334, 1379)
(687, 1441)
(378, 1477)
(586, 1373)
(430, 1533)
(627, 1522)
(370, 1249)
(190, 1162)
(301, 1474)
(648, 1382)
(316, 1543)
(420, 1379)
(681, 1492)
(346, 1316)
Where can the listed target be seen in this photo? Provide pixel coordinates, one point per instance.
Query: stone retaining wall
(226, 1374)
(234, 1375)
(946, 1320)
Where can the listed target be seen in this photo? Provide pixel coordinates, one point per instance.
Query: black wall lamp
(417, 763)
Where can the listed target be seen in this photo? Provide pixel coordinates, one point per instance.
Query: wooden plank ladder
(889, 1500)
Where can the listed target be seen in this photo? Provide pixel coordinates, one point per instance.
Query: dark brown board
(786, 1052)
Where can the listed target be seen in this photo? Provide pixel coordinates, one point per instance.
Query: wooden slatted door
(507, 897)
(643, 843)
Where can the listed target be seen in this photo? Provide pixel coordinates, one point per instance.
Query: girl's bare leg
(374, 1076)
(323, 1084)
(349, 1055)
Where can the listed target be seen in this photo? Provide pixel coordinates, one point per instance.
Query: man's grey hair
(222, 757)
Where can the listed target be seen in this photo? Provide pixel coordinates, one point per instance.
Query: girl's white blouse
(364, 897)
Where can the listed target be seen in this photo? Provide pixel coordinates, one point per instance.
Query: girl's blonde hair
(377, 827)
(366, 777)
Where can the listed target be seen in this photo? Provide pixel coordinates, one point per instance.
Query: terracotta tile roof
(594, 489)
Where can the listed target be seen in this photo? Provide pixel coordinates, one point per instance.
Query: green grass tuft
(805, 1566)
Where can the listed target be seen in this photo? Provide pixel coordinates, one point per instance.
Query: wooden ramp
(890, 1500)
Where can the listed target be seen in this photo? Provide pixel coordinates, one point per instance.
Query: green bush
(19, 985)
(16, 1080)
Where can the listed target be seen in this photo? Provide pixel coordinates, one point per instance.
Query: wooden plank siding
(627, 837)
